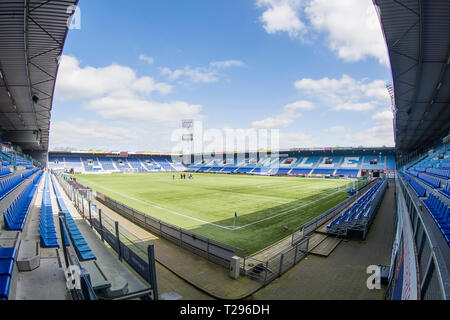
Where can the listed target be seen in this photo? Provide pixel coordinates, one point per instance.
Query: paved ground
(342, 275)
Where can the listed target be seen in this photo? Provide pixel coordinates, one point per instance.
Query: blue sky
(313, 69)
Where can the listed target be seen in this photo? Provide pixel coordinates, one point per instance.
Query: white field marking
(231, 228)
(246, 196)
(161, 208)
(284, 212)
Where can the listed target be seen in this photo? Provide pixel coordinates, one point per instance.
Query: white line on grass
(231, 228)
(161, 208)
(284, 212)
(253, 196)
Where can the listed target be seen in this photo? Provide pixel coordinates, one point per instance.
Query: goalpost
(355, 184)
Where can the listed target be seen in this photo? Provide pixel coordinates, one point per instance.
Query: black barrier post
(101, 225)
(281, 264)
(90, 213)
(119, 251)
(152, 270)
(63, 243)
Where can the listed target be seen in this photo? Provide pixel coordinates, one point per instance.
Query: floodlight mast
(188, 140)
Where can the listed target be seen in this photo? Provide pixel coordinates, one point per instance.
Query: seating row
(446, 190)
(47, 229)
(417, 187)
(440, 213)
(7, 260)
(16, 214)
(9, 184)
(81, 247)
(431, 181)
(359, 216)
(441, 173)
(29, 173)
(4, 171)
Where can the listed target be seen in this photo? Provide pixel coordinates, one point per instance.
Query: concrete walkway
(342, 275)
(204, 275)
(47, 282)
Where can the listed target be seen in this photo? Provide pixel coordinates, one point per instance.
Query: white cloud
(80, 83)
(300, 105)
(286, 117)
(196, 75)
(380, 134)
(227, 64)
(201, 74)
(351, 27)
(296, 140)
(281, 16)
(85, 134)
(345, 93)
(149, 60)
(117, 108)
(385, 116)
(115, 92)
(337, 129)
(355, 107)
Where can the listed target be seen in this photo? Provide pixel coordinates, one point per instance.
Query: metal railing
(137, 253)
(85, 291)
(269, 270)
(209, 249)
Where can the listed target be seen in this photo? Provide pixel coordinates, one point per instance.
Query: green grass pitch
(207, 204)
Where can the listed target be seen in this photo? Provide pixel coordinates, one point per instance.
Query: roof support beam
(26, 53)
(420, 62)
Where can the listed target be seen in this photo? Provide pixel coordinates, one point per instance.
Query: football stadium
(262, 222)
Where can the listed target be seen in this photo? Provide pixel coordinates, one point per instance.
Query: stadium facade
(350, 162)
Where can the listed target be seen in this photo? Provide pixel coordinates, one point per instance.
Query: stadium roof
(417, 34)
(32, 37)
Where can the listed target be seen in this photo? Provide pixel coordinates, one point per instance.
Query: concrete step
(29, 257)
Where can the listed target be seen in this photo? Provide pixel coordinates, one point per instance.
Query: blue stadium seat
(9, 184)
(81, 247)
(432, 182)
(446, 190)
(440, 213)
(301, 171)
(359, 214)
(5, 283)
(323, 171)
(417, 187)
(7, 260)
(347, 172)
(441, 173)
(47, 229)
(15, 215)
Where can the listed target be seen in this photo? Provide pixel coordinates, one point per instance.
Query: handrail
(86, 292)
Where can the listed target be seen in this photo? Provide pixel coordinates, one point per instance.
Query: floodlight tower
(188, 141)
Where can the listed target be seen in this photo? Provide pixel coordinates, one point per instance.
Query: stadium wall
(418, 266)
